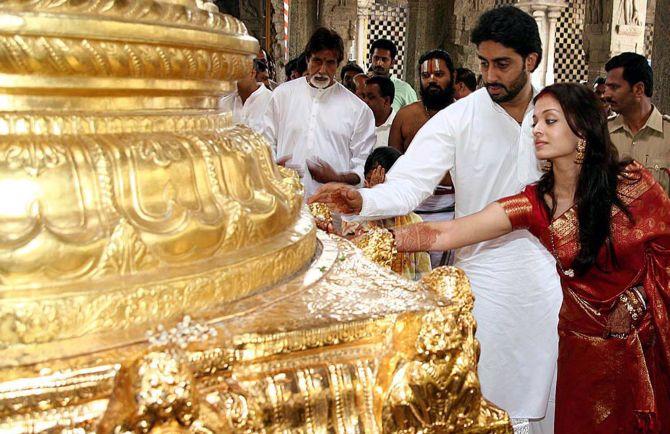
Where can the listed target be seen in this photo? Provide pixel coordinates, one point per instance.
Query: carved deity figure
(630, 15)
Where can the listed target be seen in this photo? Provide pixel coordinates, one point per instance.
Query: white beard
(319, 84)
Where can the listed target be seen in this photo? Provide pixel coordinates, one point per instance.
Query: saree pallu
(610, 384)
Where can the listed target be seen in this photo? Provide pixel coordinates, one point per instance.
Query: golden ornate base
(342, 347)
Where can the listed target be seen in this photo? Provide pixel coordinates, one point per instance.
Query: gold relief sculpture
(160, 274)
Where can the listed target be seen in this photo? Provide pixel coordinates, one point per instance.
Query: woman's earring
(547, 166)
(581, 150)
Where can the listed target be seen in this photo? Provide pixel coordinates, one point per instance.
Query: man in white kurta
(250, 110)
(307, 125)
(517, 291)
(485, 142)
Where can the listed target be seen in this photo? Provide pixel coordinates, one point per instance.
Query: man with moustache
(437, 92)
(315, 125)
(378, 95)
(639, 130)
(485, 141)
(383, 54)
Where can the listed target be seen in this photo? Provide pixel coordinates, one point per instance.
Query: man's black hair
(438, 54)
(351, 66)
(386, 87)
(511, 27)
(260, 65)
(636, 69)
(384, 44)
(325, 39)
(290, 67)
(384, 156)
(467, 77)
(301, 63)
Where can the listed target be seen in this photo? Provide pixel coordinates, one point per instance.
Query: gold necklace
(569, 272)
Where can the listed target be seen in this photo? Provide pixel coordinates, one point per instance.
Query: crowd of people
(555, 201)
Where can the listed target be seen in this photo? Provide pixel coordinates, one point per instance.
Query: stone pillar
(553, 16)
(660, 59)
(540, 14)
(362, 21)
(461, 17)
(612, 27)
(546, 13)
(303, 19)
(341, 16)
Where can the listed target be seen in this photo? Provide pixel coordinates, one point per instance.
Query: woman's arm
(489, 223)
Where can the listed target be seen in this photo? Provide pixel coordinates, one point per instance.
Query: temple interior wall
(584, 34)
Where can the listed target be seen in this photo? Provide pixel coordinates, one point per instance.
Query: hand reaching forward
(339, 197)
(378, 176)
(321, 171)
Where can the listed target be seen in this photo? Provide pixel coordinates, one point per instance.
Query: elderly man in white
(317, 126)
(485, 142)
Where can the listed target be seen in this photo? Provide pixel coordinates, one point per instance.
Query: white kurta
(251, 112)
(382, 132)
(330, 124)
(514, 279)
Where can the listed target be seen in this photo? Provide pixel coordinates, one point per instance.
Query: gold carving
(63, 57)
(129, 202)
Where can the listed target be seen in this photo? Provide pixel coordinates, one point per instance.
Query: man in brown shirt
(639, 130)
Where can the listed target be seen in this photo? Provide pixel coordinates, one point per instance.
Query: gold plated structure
(159, 274)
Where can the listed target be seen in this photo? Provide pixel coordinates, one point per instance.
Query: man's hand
(322, 172)
(283, 160)
(339, 197)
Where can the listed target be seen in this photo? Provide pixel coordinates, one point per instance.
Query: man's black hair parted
(386, 87)
(636, 69)
(511, 27)
(325, 39)
(438, 54)
(467, 77)
(260, 65)
(384, 156)
(351, 66)
(384, 44)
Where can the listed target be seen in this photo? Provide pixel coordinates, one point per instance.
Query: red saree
(606, 384)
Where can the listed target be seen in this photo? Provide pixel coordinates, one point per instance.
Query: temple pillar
(362, 21)
(660, 58)
(546, 14)
(612, 27)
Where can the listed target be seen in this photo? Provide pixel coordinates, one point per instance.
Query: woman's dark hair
(511, 27)
(384, 156)
(596, 191)
(325, 39)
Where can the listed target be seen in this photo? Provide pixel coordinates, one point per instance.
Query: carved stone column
(612, 27)
(553, 15)
(546, 13)
(362, 21)
(660, 59)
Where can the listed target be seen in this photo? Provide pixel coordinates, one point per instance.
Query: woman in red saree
(607, 223)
